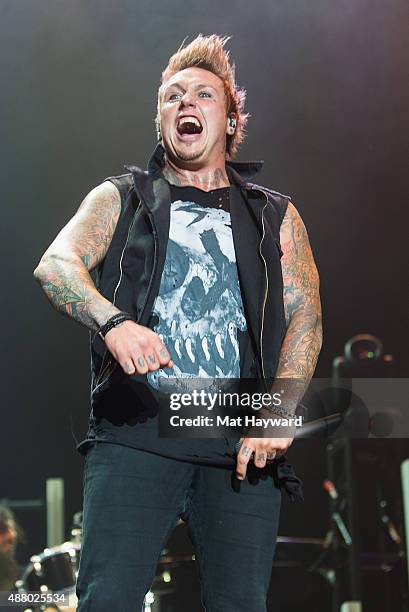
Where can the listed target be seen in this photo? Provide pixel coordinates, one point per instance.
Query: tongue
(189, 128)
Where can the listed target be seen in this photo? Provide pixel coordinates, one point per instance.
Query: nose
(187, 99)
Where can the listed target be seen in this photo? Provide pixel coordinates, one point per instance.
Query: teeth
(205, 347)
(177, 348)
(189, 120)
(218, 342)
(189, 350)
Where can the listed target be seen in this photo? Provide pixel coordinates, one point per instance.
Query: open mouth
(189, 126)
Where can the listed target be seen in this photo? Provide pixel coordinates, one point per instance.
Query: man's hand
(266, 444)
(137, 349)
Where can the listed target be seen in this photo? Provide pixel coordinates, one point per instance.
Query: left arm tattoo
(302, 305)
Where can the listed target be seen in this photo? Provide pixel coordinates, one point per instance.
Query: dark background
(328, 93)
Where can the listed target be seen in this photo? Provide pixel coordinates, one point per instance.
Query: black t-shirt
(199, 315)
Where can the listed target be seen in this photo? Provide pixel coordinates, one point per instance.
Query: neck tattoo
(214, 179)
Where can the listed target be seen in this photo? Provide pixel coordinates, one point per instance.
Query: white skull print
(199, 306)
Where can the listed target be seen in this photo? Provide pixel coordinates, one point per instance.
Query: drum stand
(345, 463)
(149, 600)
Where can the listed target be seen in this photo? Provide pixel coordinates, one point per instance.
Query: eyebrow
(198, 86)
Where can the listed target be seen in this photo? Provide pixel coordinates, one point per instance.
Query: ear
(231, 124)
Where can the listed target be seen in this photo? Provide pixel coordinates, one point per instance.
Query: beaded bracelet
(117, 319)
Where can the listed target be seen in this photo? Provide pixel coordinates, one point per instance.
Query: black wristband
(117, 319)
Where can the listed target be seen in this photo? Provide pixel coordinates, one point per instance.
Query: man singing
(199, 274)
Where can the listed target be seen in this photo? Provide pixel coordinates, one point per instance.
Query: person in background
(9, 536)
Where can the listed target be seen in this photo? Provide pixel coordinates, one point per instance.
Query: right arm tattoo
(63, 271)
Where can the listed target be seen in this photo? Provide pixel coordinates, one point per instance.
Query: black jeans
(132, 501)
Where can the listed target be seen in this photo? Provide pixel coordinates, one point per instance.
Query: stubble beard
(187, 156)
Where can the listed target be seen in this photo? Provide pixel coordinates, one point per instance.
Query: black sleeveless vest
(130, 273)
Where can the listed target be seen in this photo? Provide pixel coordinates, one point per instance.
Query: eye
(173, 96)
(205, 94)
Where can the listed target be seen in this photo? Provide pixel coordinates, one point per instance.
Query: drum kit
(54, 572)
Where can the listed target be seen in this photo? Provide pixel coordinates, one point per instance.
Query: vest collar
(238, 172)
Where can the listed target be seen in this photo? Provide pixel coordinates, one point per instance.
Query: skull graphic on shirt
(199, 307)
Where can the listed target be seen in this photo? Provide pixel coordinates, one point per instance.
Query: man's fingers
(158, 357)
(260, 458)
(135, 364)
(145, 357)
(142, 363)
(151, 360)
(265, 450)
(128, 367)
(163, 355)
(138, 349)
(243, 457)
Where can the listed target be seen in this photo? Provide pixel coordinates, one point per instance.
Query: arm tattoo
(70, 289)
(94, 229)
(302, 343)
(82, 244)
